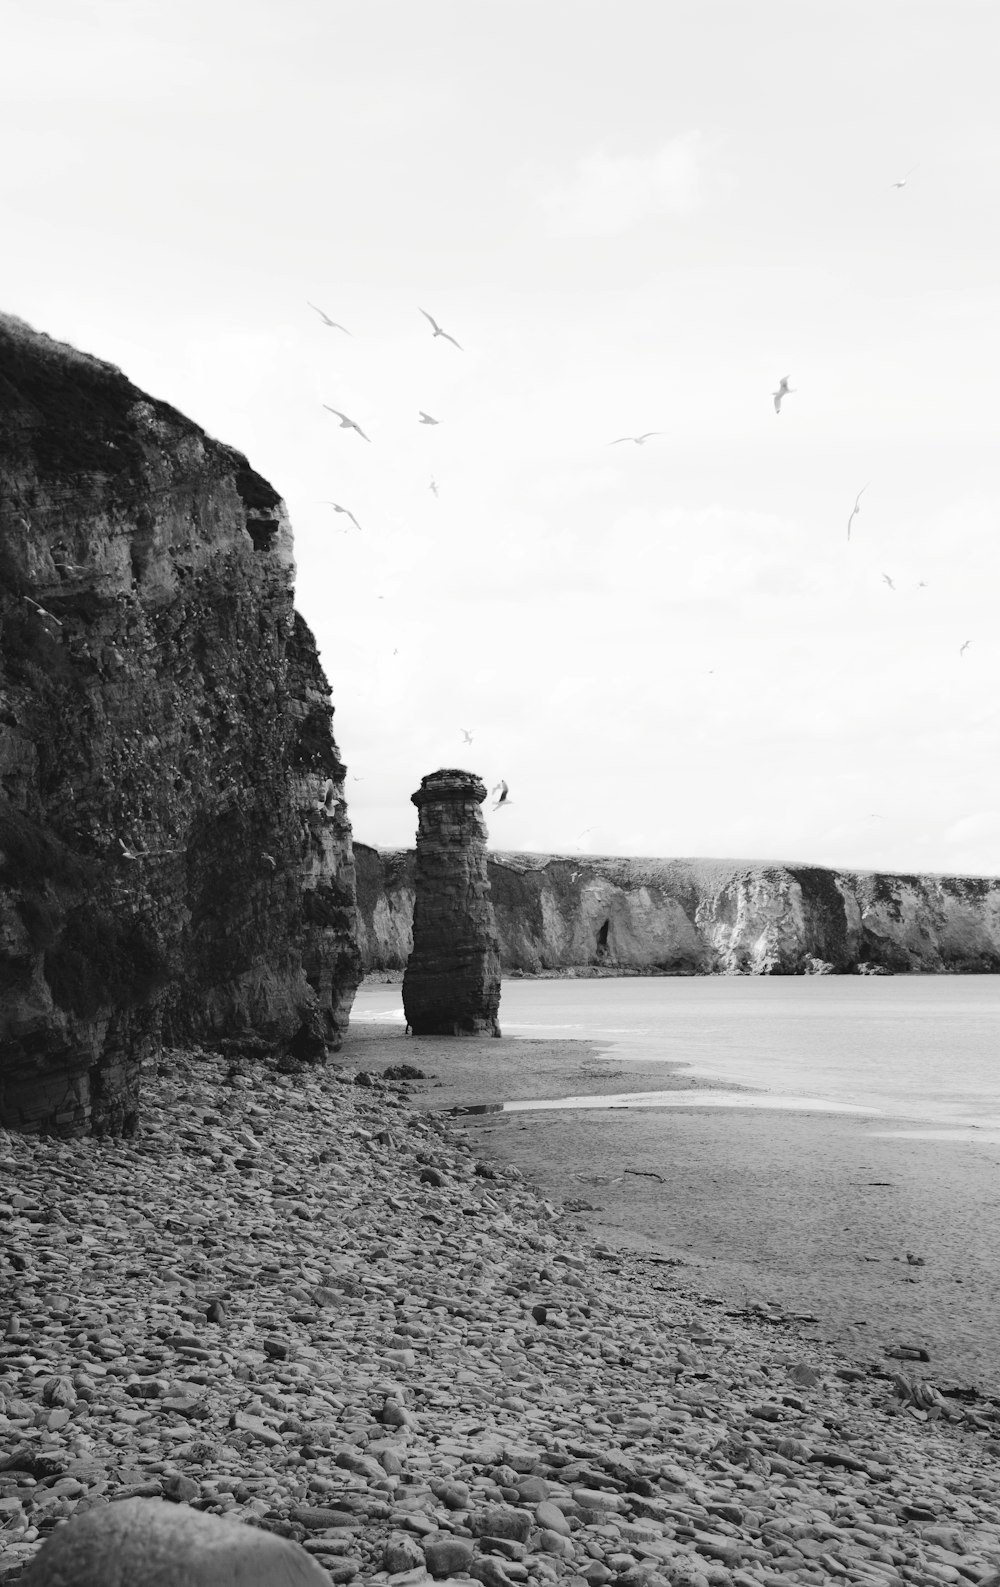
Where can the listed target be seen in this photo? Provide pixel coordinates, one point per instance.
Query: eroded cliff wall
(708, 917)
(175, 855)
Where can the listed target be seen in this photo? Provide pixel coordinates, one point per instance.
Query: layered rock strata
(175, 856)
(560, 913)
(452, 980)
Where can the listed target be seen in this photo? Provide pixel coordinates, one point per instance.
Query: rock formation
(175, 857)
(168, 1545)
(577, 914)
(452, 980)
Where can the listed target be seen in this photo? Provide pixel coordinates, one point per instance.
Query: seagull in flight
(144, 854)
(346, 423)
(327, 320)
(439, 332)
(425, 418)
(42, 612)
(501, 787)
(855, 509)
(640, 440)
(965, 647)
(337, 508)
(888, 581)
(433, 486)
(784, 389)
(903, 180)
(466, 735)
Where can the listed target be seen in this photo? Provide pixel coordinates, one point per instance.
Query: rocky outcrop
(175, 856)
(701, 917)
(452, 981)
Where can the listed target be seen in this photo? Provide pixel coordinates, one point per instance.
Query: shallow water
(925, 1049)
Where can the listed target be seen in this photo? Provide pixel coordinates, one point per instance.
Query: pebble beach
(319, 1303)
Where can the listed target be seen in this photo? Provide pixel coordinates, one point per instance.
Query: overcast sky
(633, 216)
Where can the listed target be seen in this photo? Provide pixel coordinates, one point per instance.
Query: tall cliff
(700, 917)
(175, 855)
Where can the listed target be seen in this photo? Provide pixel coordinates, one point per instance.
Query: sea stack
(451, 985)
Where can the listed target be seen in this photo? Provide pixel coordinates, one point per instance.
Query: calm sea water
(923, 1049)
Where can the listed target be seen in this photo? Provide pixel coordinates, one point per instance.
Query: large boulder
(149, 1543)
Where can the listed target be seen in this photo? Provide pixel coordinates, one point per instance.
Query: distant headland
(592, 915)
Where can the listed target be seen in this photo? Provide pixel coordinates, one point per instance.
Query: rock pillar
(451, 985)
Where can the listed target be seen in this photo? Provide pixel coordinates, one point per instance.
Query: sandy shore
(301, 1299)
(811, 1212)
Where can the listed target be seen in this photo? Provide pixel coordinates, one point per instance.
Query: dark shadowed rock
(146, 1543)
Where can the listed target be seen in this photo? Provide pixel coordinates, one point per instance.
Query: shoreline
(808, 1212)
(302, 1298)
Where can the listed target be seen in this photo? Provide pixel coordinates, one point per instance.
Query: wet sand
(812, 1213)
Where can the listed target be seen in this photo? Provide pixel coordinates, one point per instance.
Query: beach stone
(597, 1499)
(445, 1555)
(490, 1572)
(531, 1490)
(551, 1518)
(402, 1553)
(552, 1542)
(498, 1520)
(454, 1495)
(316, 1518)
(180, 1488)
(165, 1545)
(805, 1375)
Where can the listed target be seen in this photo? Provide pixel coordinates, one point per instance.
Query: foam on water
(699, 1098)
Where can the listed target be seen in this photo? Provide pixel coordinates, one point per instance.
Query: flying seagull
(439, 332)
(433, 486)
(855, 509)
(42, 611)
(888, 581)
(346, 423)
(337, 508)
(965, 647)
(501, 787)
(640, 440)
(466, 735)
(903, 180)
(327, 320)
(144, 854)
(425, 418)
(783, 391)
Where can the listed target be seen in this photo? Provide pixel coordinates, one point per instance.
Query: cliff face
(175, 857)
(707, 917)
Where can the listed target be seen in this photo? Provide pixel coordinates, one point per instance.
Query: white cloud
(608, 194)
